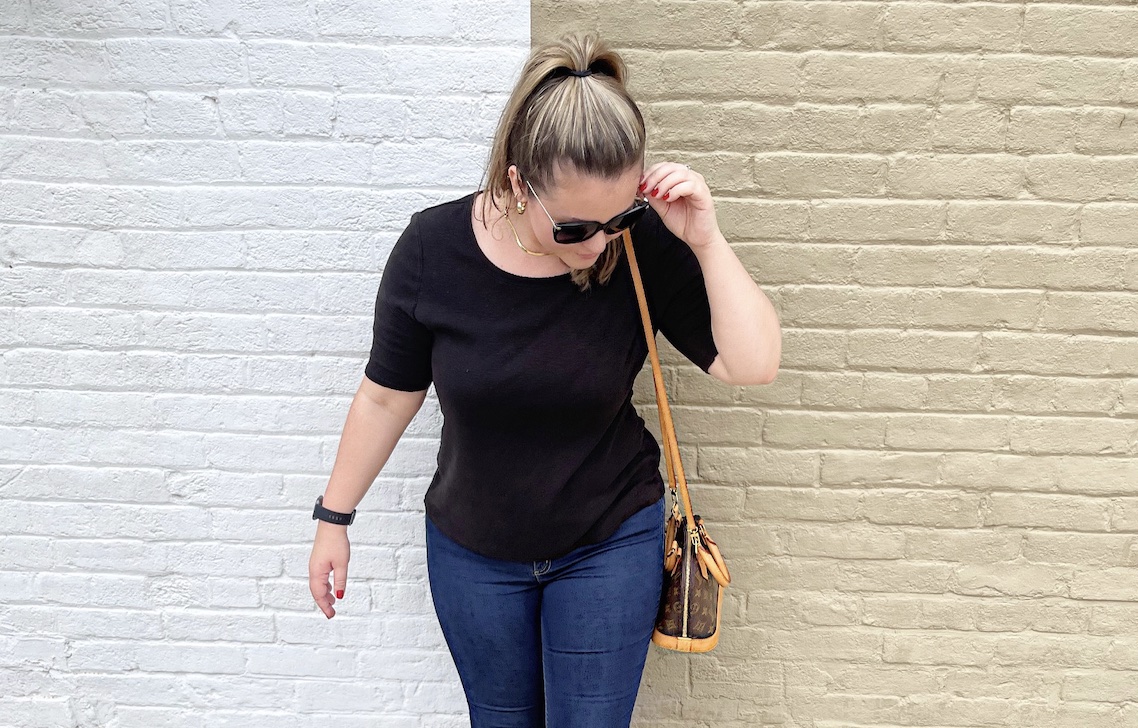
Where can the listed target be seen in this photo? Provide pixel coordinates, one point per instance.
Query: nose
(596, 244)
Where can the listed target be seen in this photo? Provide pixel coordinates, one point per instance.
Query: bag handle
(667, 429)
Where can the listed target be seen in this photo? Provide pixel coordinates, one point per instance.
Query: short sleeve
(677, 295)
(401, 345)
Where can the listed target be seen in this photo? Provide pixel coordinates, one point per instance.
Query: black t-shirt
(541, 449)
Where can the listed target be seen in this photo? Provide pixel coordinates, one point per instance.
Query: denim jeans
(551, 644)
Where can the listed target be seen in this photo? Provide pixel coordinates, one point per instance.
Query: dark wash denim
(551, 644)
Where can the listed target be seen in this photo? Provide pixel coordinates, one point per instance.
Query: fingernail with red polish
(655, 190)
(666, 195)
(340, 594)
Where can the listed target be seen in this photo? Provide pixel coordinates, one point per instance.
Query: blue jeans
(551, 644)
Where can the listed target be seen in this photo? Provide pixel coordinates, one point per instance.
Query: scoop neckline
(469, 208)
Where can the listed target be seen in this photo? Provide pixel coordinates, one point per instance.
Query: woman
(544, 519)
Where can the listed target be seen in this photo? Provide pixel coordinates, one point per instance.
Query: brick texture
(932, 514)
(197, 198)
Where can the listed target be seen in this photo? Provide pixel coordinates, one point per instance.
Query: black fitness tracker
(340, 519)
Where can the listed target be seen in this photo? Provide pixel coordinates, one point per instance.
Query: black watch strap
(342, 519)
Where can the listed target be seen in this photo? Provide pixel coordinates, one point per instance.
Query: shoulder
(444, 217)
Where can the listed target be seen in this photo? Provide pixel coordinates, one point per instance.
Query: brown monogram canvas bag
(695, 573)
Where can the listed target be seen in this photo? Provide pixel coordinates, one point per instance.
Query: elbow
(761, 373)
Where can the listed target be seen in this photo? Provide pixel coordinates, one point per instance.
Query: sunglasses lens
(627, 220)
(575, 232)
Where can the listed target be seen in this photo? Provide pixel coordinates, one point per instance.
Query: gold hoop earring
(521, 207)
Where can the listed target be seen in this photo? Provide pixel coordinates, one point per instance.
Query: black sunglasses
(569, 233)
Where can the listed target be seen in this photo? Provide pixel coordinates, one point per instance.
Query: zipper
(692, 539)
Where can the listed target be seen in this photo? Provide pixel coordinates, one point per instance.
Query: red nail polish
(655, 190)
(666, 195)
(642, 186)
(340, 594)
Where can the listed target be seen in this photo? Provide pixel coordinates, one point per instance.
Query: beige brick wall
(932, 514)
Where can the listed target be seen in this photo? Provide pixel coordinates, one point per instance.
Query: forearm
(372, 429)
(744, 322)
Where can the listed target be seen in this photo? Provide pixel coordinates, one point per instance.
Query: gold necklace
(519, 240)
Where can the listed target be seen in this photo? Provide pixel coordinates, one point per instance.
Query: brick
(1016, 616)
(775, 263)
(832, 76)
(196, 161)
(1111, 619)
(967, 546)
(876, 220)
(279, 112)
(52, 60)
(894, 576)
(174, 62)
(911, 612)
(828, 429)
(756, 466)
(730, 125)
(816, 175)
(901, 350)
(937, 509)
(1096, 474)
(856, 391)
(969, 128)
(1017, 580)
(1113, 584)
(305, 162)
(363, 19)
(1082, 548)
(183, 114)
(962, 308)
(1087, 268)
(1074, 435)
(663, 24)
(873, 469)
(942, 176)
(806, 26)
(1052, 511)
(820, 128)
(56, 16)
(1077, 354)
(1081, 30)
(834, 305)
(932, 265)
(1106, 131)
(1124, 514)
(1109, 224)
(1010, 222)
(947, 27)
(1082, 178)
(1042, 129)
(1100, 312)
(751, 76)
(848, 543)
(292, 18)
(947, 432)
(1019, 78)
(1050, 395)
(958, 392)
(802, 504)
(896, 127)
(742, 219)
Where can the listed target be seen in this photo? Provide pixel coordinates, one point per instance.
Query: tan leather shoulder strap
(671, 446)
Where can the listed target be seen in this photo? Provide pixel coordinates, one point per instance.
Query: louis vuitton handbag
(695, 572)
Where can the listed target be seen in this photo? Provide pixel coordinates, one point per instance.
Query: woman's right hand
(330, 551)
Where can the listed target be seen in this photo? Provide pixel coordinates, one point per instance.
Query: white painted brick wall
(196, 201)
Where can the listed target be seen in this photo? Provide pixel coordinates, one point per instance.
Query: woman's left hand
(682, 199)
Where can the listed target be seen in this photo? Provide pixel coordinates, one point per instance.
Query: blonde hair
(554, 118)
